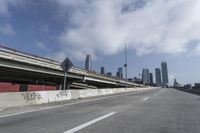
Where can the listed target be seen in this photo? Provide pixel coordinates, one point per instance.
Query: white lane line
(145, 99)
(68, 104)
(89, 123)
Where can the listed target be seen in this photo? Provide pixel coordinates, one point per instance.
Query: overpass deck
(23, 63)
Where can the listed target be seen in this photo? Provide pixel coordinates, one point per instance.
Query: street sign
(66, 64)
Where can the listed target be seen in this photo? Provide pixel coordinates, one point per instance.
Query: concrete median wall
(14, 99)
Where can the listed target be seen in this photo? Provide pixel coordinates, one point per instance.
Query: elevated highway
(21, 67)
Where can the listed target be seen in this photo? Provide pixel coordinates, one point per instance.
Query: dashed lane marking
(89, 123)
(145, 99)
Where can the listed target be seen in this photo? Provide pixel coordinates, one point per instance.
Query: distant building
(119, 73)
(88, 63)
(188, 86)
(145, 76)
(197, 85)
(130, 79)
(109, 74)
(151, 78)
(175, 83)
(102, 70)
(158, 76)
(164, 70)
(137, 80)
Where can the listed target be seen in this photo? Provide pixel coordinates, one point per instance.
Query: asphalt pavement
(151, 111)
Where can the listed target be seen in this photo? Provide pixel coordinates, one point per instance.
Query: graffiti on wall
(29, 96)
(62, 94)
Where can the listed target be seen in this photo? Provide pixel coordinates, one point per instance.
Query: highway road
(151, 111)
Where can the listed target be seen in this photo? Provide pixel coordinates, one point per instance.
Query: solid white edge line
(145, 99)
(89, 123)
(68, 104)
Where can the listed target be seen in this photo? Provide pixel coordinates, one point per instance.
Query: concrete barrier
(14, 99)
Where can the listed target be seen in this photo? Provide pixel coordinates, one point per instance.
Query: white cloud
(7, 29)
(160, 26)
(4, 5)
(41, 45)
(103, 26)
(196, 50)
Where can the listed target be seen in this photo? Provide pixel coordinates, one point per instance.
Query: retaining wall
(14, 99)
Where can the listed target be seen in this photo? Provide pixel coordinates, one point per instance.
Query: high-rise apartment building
(145, 76)
(164, 70)
(102, 70)
(158, 76)
(88, 63)
(119, 73)
(151, 78)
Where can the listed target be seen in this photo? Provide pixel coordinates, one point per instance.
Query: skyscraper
(109, 74)
(145, 76)
(88, 63)
(102, 70)
(158, 76)
(151, 78)
(119, 73)
(164, 73)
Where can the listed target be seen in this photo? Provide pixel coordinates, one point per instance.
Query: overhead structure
(21, 67)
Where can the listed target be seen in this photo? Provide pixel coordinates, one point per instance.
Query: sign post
(65, 76)
(66, 65)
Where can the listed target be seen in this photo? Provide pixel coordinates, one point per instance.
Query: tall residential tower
(164, 70)
(102, 70)
(88, 63)
(158, 76)
(145, 76)
(151, 78)
(119, 73)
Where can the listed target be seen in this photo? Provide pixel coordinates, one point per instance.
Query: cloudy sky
(154, 30)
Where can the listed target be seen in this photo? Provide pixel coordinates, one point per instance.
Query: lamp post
(125, 65)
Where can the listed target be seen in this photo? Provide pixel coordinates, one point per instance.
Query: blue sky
(155, 30)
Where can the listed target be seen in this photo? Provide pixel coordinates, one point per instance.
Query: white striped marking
(89, 123)
(145, 99)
